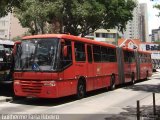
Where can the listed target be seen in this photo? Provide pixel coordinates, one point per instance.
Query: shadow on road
(131, 114)
(6, 90)
(145, 87)
(54, 102)
(63, 100)
(68, 99)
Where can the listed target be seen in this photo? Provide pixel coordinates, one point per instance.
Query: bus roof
(145, 52)
(6, 42)
(71, 37)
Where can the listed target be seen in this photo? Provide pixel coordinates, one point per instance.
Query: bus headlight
(16, 82)
(49, 83)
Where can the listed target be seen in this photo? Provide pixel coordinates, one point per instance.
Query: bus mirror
(65, 51)
(16, 44)
(62, 41)
(14, 49)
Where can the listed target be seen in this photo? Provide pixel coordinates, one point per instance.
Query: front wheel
(112, 82)
(81, 91)
(147, 74)
(132, 78)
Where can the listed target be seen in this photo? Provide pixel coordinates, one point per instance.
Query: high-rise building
(137, 28)
(10, 27)
(132, 28)
(144, 35)
(156, 35)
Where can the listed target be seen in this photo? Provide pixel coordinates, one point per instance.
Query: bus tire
(112, 82)
(133, 78)
(81, 89)
(17, 97)
(147, 74)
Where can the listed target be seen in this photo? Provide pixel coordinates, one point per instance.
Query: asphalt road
(119, 104)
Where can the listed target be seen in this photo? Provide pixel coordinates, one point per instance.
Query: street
(119, 104)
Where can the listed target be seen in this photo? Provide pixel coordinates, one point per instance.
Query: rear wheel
(17, 97)
(112, 82)
(147, 75)
(81, 89)
(133, 78)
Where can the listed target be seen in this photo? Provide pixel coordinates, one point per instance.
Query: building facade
(144, 34)
(132, 27)
(5, 27)
(138, 27)
(156, 35)
(10, 27)
(106, 35)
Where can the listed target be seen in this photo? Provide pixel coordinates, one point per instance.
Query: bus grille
(31, 87)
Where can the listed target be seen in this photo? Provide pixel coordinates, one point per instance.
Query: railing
(143, 113)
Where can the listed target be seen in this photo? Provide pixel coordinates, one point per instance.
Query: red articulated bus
(144, 66)
(133, 65)
(57, 65)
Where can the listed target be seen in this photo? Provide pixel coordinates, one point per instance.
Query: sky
(153, 20)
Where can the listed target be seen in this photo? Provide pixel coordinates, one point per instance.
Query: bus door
(80, 60)
(127, 66)
(90, 67)
(97, 71)
(66, 65)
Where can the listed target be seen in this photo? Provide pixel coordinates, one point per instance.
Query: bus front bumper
(40, 89)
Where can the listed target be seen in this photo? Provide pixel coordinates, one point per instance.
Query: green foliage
(157, 41)
(74, 16)
(34, 14)
(6, 6)
(158, 7)
(118, 13)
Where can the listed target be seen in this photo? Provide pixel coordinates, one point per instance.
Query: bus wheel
(147, 75)
(17, 97)
(81, 90)
(132, 78)
(112, 82)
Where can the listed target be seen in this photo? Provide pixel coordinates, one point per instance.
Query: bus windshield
(37, 54)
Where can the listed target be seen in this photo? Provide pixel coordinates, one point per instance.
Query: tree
(74, 16)
(158, 7)
(118, 13)
(94, 14)
(6, 6)
(34, 14)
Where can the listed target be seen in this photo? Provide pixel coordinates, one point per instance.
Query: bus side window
(66, 60)
(104, 54)
(112, 55)
(80, 52)
(89, 53)
(126, 56)
(97, 53)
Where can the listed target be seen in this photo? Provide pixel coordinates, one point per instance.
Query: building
(15, 28)
(10, 27)
(144, 34)
(150, 37)
(156, 35)
(106, 35)
(138, 27)
(132, 27)
(5, 27)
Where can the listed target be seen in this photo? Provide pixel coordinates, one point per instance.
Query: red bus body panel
(64, 83)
